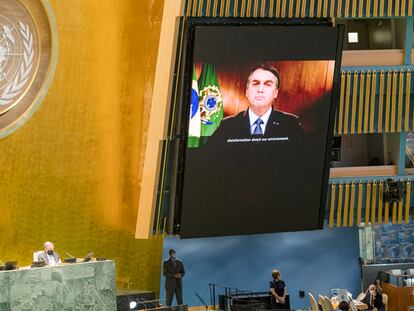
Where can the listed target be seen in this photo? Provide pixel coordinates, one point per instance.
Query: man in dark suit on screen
(248, 166)
(260, 120)
(173, 270)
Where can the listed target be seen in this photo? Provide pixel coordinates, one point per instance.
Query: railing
(397, 279)
(299, 8)
(375, 100)
(399, 289)
(232, 294)
(353, 201)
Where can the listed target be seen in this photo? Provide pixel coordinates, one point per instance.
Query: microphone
(69, 255)
(88, 257)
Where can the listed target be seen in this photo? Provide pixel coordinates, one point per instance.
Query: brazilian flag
(210, 102)
(194, 128)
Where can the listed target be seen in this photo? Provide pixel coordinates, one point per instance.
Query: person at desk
(378, 286)
(373, 299)
(49, 256)
(343, 306)
(277, 289)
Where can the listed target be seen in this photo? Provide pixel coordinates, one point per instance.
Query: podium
(81, 286)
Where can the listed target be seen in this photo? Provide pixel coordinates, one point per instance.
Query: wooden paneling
(158, 116)
(399, 297)
(385, 170)
(305, 8)
(372, 58)
(71, 174)
(357, 200)
(362, 111)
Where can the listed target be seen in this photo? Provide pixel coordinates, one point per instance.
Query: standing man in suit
(261, 119)
(49, 256)
(173, 270)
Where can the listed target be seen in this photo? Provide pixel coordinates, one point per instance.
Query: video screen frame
(186, 82)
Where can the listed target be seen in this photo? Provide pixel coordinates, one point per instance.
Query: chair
(409, 279)
(36, 255)
(328, 303)
(360, 297)
(313, 303)
(322, 302)
(385, 301)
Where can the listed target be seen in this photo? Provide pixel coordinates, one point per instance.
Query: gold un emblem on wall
(28, 52)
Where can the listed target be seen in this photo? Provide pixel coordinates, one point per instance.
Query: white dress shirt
(51, 259)
(253, 117)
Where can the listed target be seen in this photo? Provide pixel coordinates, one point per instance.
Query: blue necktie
(258, 128)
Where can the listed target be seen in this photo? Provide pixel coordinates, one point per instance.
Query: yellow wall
(71, 173)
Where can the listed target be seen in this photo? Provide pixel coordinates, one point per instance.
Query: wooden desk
(399, 297)
(358, 304)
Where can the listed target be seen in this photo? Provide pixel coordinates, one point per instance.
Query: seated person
(278, 291)
(378, 285)
(373, 299)
(49, 256)
(343, 306)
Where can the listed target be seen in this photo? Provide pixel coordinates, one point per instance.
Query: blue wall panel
(314, 261)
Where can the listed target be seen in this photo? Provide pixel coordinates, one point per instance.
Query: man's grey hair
(47, 243)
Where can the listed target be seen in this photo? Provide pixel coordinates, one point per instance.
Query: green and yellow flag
(210, 102)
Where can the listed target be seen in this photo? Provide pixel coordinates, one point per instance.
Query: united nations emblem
(27, 59)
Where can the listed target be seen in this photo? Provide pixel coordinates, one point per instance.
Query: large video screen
(260, 112)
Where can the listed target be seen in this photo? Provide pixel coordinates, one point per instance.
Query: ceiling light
(352, 37)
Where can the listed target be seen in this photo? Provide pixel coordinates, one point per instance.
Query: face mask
(173, 256)
(50, 252)
(372, 292)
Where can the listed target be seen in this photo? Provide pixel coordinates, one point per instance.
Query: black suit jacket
(43, 257)
(377, 301)
(246, 177)
(281, 125)
(169, 270)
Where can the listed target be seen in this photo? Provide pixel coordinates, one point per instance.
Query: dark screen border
(187, 61)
